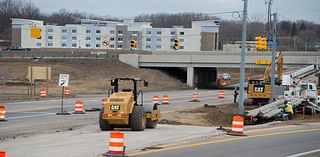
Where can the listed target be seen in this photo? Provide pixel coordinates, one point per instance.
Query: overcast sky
(287, 9)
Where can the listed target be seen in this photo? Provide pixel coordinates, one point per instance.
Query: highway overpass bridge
(201, 67)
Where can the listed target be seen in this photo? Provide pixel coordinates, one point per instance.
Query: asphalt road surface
(288, 141)
(34, 130)
(33, 117)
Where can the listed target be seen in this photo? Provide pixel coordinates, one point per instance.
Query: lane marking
(39, 115)
(223, 140)
(266, 129)
(305, 153)
(29, 110)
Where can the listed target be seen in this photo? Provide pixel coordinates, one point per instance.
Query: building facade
(96, 34)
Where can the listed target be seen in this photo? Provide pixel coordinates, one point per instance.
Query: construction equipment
(260, 90)
(123, 110)
(302, 83)
(223, 80)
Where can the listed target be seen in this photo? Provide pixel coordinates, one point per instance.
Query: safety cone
(221, 94)
(43, 92)
(237, 126)
(2, 153)
(2, 114)
(78, 107)
(155, 99)
(165, 100)
(104, 101)
(66, 91)
(195, 96)
(116, 145)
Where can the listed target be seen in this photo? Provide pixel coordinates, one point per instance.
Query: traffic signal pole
(243, 53)
(274, 47)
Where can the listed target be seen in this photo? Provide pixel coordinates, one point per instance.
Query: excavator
(259, 90)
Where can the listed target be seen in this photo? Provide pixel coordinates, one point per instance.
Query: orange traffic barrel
(104, 101)
(195, 97)
(155, 99)
(78, 107)
(116, 144)
(66, 90)
(2, 153)
(221, 94)
(237, 126)
(165, 99)
(43, 92)
(2, 113)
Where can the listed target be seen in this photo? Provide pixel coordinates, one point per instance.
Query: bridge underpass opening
(175, 72)
(194, 77)
(205, 78)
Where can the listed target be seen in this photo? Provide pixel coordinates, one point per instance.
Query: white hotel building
(96, 34)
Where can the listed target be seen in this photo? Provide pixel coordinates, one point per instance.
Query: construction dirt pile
(86, 76)
(219, 115)
(209, 115)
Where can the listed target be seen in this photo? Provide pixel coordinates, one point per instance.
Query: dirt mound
(86, 76)
(220, 115)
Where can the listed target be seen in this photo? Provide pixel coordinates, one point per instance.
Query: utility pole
(274, 47)
(269, 19)
(243, 53)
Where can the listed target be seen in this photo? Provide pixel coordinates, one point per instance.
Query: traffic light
(261, 43)
(133, 44)
(176, 45)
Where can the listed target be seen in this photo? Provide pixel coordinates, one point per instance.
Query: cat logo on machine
(259, 88)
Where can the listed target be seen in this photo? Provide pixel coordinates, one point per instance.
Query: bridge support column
(190, 76)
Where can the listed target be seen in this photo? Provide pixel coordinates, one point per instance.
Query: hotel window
(112, 32)
(88, 31)
(119, 46)
(158, 46)
(158, 39)
(111, 46)
(88, 38)
(50, 37)
(63, 44)
(74, 38)
(148, 46)
(148, 32)
(50, 30)
(38, 44)
(74, 31)
(88, 45)
(120, 39)
(120, 32)
(181, 33)
(148, 39)
(50, 44)
(112, 39)
(98, 45)
(64, 31)
(173, 33)
(98, 31)
(98, 38)
(74, 45)
(159, 32)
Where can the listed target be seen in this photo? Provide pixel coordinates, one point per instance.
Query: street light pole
(243, 51)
